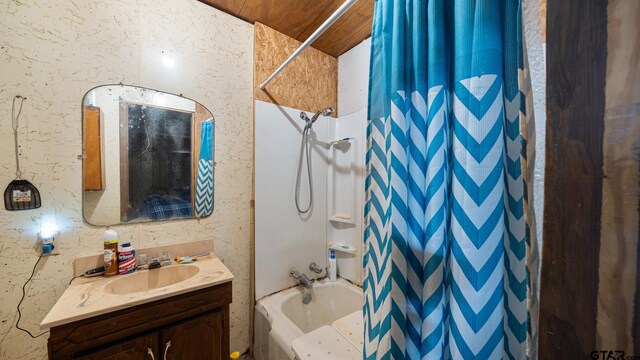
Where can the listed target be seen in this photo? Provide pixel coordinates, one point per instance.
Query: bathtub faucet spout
(302, 279)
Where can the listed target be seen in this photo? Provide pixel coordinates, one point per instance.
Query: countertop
(89, 297)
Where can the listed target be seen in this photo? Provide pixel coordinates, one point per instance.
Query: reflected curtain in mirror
(204, 182)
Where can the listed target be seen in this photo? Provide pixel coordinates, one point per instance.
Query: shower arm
(316, 34)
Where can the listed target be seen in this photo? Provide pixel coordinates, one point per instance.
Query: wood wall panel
(300, 18)
(543, 19)
(590, 286)
(309, 83)
(576, 58)
(635, 326)
(621, 149)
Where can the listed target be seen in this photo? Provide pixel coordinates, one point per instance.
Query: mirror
(146, 156)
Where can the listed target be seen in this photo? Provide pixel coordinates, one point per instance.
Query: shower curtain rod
(316, 34)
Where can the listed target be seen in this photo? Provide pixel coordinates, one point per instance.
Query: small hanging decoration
(20, 194)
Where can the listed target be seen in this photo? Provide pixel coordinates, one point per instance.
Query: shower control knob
(315, 268)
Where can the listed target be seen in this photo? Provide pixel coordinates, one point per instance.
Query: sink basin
(151, 279)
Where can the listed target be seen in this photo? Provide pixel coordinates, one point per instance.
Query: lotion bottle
(333, 269)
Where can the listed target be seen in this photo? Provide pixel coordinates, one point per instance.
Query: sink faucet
(163, 261)
(154, 264)
(302, 279)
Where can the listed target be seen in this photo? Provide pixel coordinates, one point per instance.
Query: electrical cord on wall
(22, 298)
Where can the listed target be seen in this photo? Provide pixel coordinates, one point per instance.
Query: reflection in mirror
(147, 156)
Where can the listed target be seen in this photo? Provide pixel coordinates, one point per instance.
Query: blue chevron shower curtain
(204, 182)
(450, 252)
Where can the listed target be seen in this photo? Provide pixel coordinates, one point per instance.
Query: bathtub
(282, 317)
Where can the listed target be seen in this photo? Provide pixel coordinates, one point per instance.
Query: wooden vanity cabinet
(193, 325)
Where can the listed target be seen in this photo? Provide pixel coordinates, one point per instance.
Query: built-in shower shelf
(338, 246)
(342, 141)
(345, 219)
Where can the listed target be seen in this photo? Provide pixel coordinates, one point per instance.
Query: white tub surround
(282, 317)
(345, 191)
(337, 168)
(284, 238)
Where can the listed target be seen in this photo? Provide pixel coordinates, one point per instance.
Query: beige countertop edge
(62, 314)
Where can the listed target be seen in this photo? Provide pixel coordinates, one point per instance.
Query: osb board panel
(621, 157)
(309, 83)
(300, 18)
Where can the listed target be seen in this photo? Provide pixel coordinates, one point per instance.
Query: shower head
(328, 111)
(324, 112)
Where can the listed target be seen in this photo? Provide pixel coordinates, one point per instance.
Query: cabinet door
(198, 338)
(143, 347)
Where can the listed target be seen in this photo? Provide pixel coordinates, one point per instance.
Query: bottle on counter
(110, 239)
(126, 259)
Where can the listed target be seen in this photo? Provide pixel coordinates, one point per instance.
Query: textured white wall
(53, 51)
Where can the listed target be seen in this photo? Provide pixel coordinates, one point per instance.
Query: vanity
(147, 156)
(174, 312)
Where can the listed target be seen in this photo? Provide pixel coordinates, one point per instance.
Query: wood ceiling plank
(350, 30)
(304, 33)
(300, 18)
(289, 17)
(231, 7)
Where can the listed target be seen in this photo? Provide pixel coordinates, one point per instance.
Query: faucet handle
(165, 259)
(155, 263)
(315, 268)
(143, 259)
